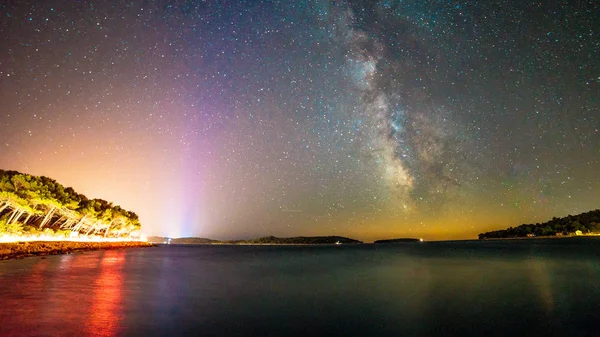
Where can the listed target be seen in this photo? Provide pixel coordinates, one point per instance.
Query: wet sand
(18, 250)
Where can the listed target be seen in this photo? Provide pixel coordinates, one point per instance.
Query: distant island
(398, 240)
(583, 224)
(267, 240)
(182, 241)
(40, 207)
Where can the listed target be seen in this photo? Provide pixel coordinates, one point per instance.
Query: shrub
(13, 228)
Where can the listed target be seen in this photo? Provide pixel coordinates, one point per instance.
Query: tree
(27, 200)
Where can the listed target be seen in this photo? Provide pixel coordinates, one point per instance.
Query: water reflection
(17, 288)
(27, 287)
(106, 311)
(541, 279)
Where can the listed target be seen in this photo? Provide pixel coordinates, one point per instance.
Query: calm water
(529, 287)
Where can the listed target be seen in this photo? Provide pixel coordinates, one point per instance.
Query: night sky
(373, 119)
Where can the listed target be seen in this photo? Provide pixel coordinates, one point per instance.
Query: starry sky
(368, 119)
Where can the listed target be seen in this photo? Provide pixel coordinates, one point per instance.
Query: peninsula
(39, 216)
(582, 224)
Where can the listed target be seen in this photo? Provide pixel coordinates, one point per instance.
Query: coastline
(254, 244)
(18, 250)
(540, 237)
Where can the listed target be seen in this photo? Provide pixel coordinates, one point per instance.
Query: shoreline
(256, 244)
(19, 250)
(371, 243)
(541, 237)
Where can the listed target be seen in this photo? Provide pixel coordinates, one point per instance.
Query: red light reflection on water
(105, 312)
(26, 287)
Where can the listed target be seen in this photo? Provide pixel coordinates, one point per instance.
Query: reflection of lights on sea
(18, 238)
(107, 298)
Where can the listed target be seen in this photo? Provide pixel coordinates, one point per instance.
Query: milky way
(371, 119)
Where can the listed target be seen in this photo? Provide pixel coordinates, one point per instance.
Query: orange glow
(107, 297)
(18, 238)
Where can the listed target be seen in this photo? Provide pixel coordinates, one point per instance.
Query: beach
(16, 250)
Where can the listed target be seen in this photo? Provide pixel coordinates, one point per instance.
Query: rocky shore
(18, 250)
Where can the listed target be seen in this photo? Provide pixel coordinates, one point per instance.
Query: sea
(532, 287)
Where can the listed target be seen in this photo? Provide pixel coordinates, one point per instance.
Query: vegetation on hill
(585, 222)
(31, 205)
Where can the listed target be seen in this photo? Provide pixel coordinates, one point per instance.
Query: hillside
(587, 223)
(32, 205)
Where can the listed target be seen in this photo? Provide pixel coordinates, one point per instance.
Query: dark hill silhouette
(587, 223)
(267, 240)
